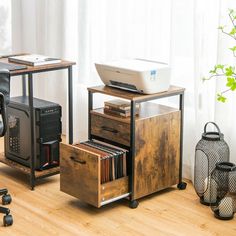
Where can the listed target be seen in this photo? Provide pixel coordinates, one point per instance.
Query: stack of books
(119, 107)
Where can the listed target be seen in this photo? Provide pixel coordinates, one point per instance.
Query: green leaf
(219, 66)
(229, 71)
(212, 71)
(231, 10)
(231, 83)
(233, 31)
(216, 67)
(221, 27)
(233, 87)
(233, 49)
(221, 98)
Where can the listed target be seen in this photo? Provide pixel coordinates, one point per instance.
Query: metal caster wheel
(7, 220)
(182, 185)
(6, 199)
(133, 204)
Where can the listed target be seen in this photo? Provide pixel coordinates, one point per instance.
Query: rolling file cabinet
(153, 140)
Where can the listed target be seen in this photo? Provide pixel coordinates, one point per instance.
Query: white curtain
(5, 27)
(183, 33)
(225, 114)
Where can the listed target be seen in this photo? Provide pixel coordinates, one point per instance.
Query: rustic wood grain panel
(80, 176)
(157, 153)
(110, 129)
(174, 147)
(114, 188)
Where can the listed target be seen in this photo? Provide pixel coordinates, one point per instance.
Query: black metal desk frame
(181, 185)
(26, 74)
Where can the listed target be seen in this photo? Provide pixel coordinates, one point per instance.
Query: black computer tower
(47, 125)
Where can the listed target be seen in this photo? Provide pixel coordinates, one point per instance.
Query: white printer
(136, 75)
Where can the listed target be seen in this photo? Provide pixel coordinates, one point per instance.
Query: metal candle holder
(223, 190)
(210, 150)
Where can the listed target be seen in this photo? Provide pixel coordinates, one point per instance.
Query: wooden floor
(47, 211)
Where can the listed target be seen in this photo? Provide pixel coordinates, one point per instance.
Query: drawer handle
(110, 129)
(79, 161)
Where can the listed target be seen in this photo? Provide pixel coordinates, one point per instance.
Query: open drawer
(80, 176)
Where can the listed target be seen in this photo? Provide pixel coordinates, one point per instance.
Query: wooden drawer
(110, 129)
(80, 177)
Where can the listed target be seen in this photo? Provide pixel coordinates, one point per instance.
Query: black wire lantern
(210, 150)
(223, 190)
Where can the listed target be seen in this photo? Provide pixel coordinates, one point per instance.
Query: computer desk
(27, 76)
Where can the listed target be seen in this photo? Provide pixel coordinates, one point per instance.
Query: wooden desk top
(132, 96)
(34, 69)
